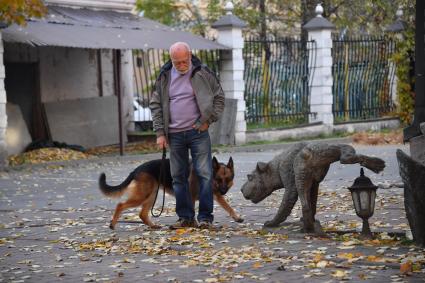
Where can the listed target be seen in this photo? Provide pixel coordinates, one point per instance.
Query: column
(229, 29)
(321, 98)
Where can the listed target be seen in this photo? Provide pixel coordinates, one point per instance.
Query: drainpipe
(117, 84)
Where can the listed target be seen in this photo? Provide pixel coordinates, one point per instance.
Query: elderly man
(187, 98)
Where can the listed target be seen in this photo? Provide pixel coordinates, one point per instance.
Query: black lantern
(363, 193)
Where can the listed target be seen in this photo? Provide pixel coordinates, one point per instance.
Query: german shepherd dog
(141, 186)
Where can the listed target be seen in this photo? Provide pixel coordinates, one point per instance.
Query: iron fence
(277, 81)
(147, 64)
(363, 77)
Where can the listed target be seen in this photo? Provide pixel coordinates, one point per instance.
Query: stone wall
(72, 73)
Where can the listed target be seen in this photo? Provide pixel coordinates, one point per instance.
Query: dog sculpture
(299, 170)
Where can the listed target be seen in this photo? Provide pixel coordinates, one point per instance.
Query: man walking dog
(187, 98)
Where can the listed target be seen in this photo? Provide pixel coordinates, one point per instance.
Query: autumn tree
(17, 11)
(163, 11)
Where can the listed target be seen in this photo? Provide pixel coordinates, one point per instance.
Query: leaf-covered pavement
(54, 227)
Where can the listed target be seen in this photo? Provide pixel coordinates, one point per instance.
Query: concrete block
(2, 93)
(240, 138)
(240, 116)
(229, 75)
(3, 155)
(296, 133)
(223, 131)
(231, 38)
(88, 122)
(326, 52)
(324, 118)
(321, 79)
(17, 134)
(316, 99)
(321, 71)
(3, 117)
(2, 71)
(321, 108)
(327, 99)
(321, 90)
(323, 61)
(240, 126)
(234, 94)
(417, 148)
(230, 86)
(323, 42)
(321, 74)
(366, 126)
(241, 105)
(230, 65)
(235, 53)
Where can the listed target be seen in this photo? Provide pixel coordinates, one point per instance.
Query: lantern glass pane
(356, 201)
(372, 200)
(364, 200)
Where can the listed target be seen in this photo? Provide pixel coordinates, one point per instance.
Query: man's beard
(185, 72)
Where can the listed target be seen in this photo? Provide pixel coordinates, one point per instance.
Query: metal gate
(277, 81)
(363, 78)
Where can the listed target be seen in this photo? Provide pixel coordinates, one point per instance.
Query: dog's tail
(114, 191)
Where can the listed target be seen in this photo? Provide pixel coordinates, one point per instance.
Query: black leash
(161, 180)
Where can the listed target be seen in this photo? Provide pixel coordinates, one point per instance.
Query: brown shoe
(183, 223)
(205, 225)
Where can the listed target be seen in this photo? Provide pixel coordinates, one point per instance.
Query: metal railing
(277, 81)
(363, 77)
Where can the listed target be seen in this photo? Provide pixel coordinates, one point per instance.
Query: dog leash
(161, 180)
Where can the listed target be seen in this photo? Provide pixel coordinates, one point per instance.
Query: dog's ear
(215, 164)
(230, 163)
(262, 167)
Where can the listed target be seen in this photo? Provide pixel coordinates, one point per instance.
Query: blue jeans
(199, 145)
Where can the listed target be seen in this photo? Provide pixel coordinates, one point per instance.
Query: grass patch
(289, 123)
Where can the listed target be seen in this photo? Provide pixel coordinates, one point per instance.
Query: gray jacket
(208, 92)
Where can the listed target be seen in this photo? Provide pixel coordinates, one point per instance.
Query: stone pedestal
(412, 171)
(417, 149)
(232, 66)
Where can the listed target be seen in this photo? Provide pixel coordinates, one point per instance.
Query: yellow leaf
(373, 258)
(317, 257)
(345, 255)
(257, 265)
(322, 264)
(339, 273)
(181, 231)
(175, 239)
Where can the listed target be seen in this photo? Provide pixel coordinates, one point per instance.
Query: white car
(141, 113)
(142, 116)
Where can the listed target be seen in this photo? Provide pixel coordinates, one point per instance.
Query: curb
(150, 156)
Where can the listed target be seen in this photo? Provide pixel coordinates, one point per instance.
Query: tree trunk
(307, 13)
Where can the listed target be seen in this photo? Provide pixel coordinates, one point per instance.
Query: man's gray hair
(179, 44)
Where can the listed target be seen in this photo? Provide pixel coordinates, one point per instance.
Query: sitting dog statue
(299, 170)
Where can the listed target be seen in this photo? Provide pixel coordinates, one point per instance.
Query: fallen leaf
(406, 268)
